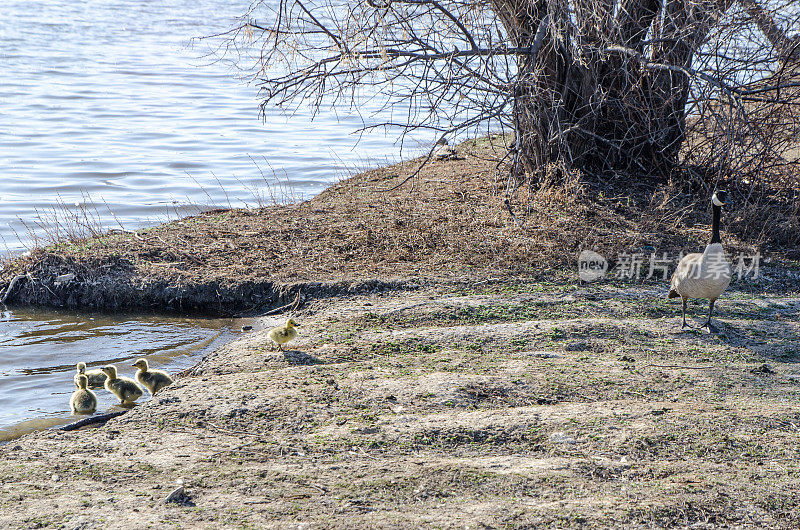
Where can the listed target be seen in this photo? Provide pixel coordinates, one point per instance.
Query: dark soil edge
(215, 298)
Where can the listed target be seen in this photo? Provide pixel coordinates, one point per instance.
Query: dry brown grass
(449, 221)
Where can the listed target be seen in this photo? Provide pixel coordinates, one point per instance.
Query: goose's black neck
(716, 210)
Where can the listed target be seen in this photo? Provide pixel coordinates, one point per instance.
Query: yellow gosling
(283, 334)
(97, 379)
(152, 380)
(125, 389)
(83, 400)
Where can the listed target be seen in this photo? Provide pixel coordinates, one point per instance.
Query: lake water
(106, 108)
(112, 107)
(39, 350)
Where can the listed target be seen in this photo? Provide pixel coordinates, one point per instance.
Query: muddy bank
(108, 289)
(526, 404)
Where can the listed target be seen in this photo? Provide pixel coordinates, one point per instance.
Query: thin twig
(676, 366)
(11, 285)
(277, 310)
(126, 231)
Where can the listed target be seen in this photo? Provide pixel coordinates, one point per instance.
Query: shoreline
(442, 376)
(447, 224)
(245, 261)
(54, 413)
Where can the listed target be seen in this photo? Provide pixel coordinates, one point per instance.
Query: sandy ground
(477, 405)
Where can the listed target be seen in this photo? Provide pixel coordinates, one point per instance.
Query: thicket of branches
(642, 86)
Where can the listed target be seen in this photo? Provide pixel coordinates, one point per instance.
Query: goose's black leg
(711, 327)
(683, 316)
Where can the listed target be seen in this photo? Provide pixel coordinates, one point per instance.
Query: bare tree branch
(644, 86)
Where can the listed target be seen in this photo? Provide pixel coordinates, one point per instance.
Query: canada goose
(83, 400)
(122, 387)
(96, 377)
(152, 380)
(283, 334)
(704, 275)
(443, 150)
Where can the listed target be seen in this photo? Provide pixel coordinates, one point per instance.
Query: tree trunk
(603, 110)
(787, 48)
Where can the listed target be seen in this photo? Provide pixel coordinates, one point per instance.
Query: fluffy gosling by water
(283, 334)
(83, 400)
(96, 377)
(124, 388)
(152, 380)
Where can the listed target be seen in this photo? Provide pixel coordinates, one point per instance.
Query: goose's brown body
(444, 152)
(704, 275)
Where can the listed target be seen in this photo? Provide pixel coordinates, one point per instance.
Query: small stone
(367, 430)
(763, 369)
(54, 477)
(64, 278)
(247, 328)
(177, 495)
(547, 355)
(561, 438)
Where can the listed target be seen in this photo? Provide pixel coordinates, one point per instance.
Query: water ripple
(83, 105)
